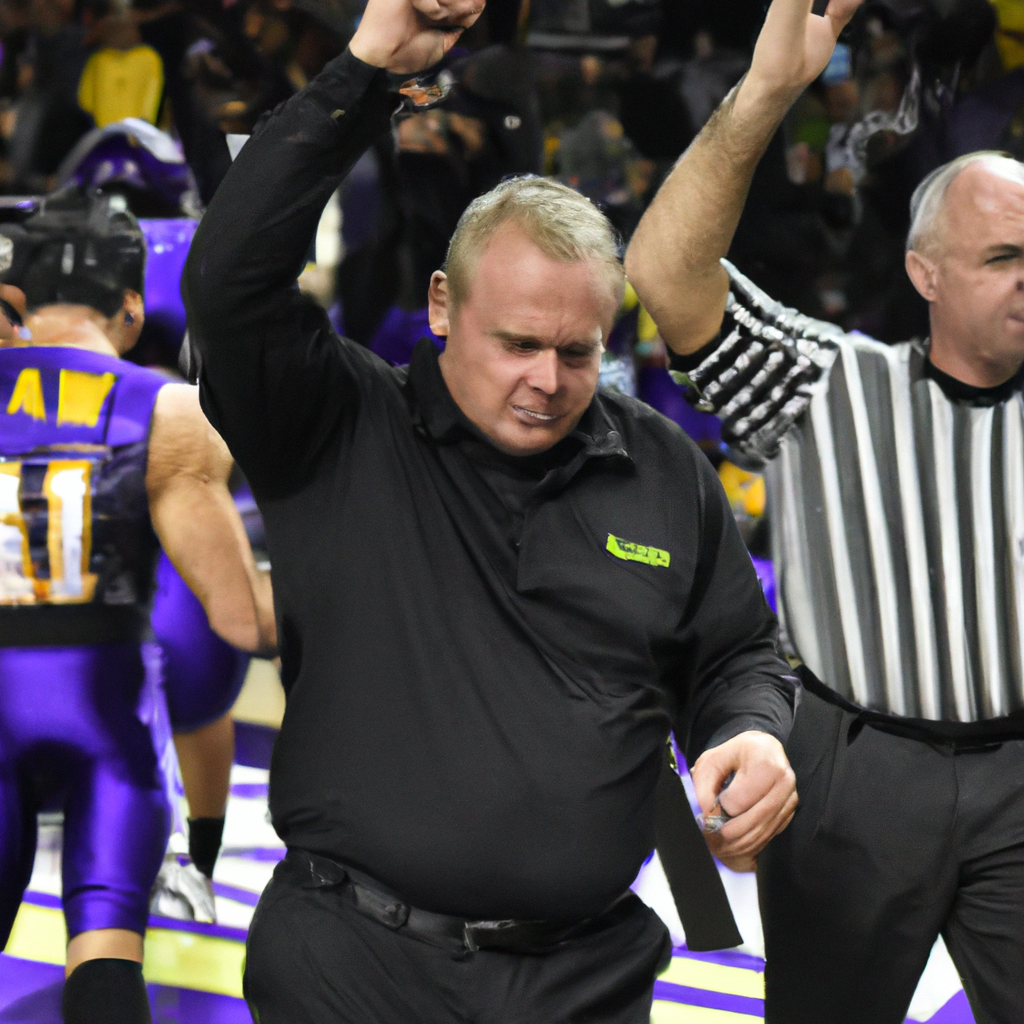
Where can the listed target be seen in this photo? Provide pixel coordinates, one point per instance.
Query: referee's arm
(673, 257)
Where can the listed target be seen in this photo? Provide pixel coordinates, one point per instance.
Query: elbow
(636, 270)
(649, 262)
(194, 290)
(208, 280)
(652, 283)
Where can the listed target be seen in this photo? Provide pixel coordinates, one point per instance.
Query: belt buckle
(470, 929)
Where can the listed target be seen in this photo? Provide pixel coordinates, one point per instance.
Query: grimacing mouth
(541, 417)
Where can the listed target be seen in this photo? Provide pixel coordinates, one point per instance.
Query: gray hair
(929, 197)
(561, 222)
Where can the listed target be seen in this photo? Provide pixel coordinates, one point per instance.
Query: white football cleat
(183, 892)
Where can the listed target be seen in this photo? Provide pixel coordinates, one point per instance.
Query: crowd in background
(605, 94)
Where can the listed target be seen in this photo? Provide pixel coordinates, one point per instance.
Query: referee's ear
(923, 273)
(439, 304)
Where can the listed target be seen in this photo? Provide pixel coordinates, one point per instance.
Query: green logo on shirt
(630, 552)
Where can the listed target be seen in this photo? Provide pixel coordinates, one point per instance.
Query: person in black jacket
(498, 590)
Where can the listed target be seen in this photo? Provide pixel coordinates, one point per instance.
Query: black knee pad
(106, 991)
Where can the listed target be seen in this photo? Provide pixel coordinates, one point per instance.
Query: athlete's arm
(276, 381)
(673, 259)
(198, 525)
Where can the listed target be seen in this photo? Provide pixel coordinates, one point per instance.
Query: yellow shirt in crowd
(1010, 32)
(122, 83)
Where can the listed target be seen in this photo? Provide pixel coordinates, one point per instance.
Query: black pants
(895, 842)
(313, 958)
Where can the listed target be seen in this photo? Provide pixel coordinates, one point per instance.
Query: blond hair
(929, 197)
(561, 222)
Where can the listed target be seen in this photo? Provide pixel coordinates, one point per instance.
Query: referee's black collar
(957, 391)
(436, 413)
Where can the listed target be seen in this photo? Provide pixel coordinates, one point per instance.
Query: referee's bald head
(928, 203)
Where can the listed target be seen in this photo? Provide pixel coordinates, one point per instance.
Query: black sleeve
(276, 381)
(737, 679)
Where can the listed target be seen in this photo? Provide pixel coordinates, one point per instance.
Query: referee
(497, 588)
(896, 477)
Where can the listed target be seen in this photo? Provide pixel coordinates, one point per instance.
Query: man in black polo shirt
(497, 593)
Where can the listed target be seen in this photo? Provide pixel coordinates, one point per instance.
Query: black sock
(106, 991)
(204, 836)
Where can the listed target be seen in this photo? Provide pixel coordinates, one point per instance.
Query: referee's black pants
(895, 842)
(312, 957)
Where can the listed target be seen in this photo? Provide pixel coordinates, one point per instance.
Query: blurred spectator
(124, 78)
(46, 119)
(14, 30)
(596, 158)
(1009, 34)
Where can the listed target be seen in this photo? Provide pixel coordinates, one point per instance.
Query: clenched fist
(406, 36)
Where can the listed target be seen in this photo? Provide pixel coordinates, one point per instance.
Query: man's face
(978, 297)
(524, 346)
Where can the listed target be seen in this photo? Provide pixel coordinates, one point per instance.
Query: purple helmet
(138, 160)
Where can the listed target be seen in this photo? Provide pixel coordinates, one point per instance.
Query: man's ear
(10, 332)
(126, 323)
(16, 297)
(133, 305)
(923, 273)
(438, 304)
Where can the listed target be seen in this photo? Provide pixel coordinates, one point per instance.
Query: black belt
(947, 737)
(70, 625)
(375, 901)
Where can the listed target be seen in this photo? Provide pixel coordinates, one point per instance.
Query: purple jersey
(76, 563)
(74, 519)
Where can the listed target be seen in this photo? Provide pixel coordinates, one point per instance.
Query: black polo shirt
(483, 655)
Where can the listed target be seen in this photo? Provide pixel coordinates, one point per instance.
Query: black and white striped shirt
(897, 508)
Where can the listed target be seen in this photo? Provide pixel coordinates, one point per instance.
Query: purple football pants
(70, 737)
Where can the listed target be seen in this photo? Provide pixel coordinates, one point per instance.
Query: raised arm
(673, 258)
(275, 380)
(198, 525)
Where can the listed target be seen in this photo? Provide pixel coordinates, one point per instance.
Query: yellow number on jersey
(68, 491)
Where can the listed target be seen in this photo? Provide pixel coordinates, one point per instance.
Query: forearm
(755, 693)
(199, 529)
(274, 379)
(266, 623)
(737, 681)
(198, 526)
(252, 241)
(673, 259)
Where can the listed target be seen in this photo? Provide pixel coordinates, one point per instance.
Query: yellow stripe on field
(733, 981)
(173, 957)
(194, 961)
(678, 1013)
(38, 934)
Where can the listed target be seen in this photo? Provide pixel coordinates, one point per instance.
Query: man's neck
(972, 369)
(70, 327)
